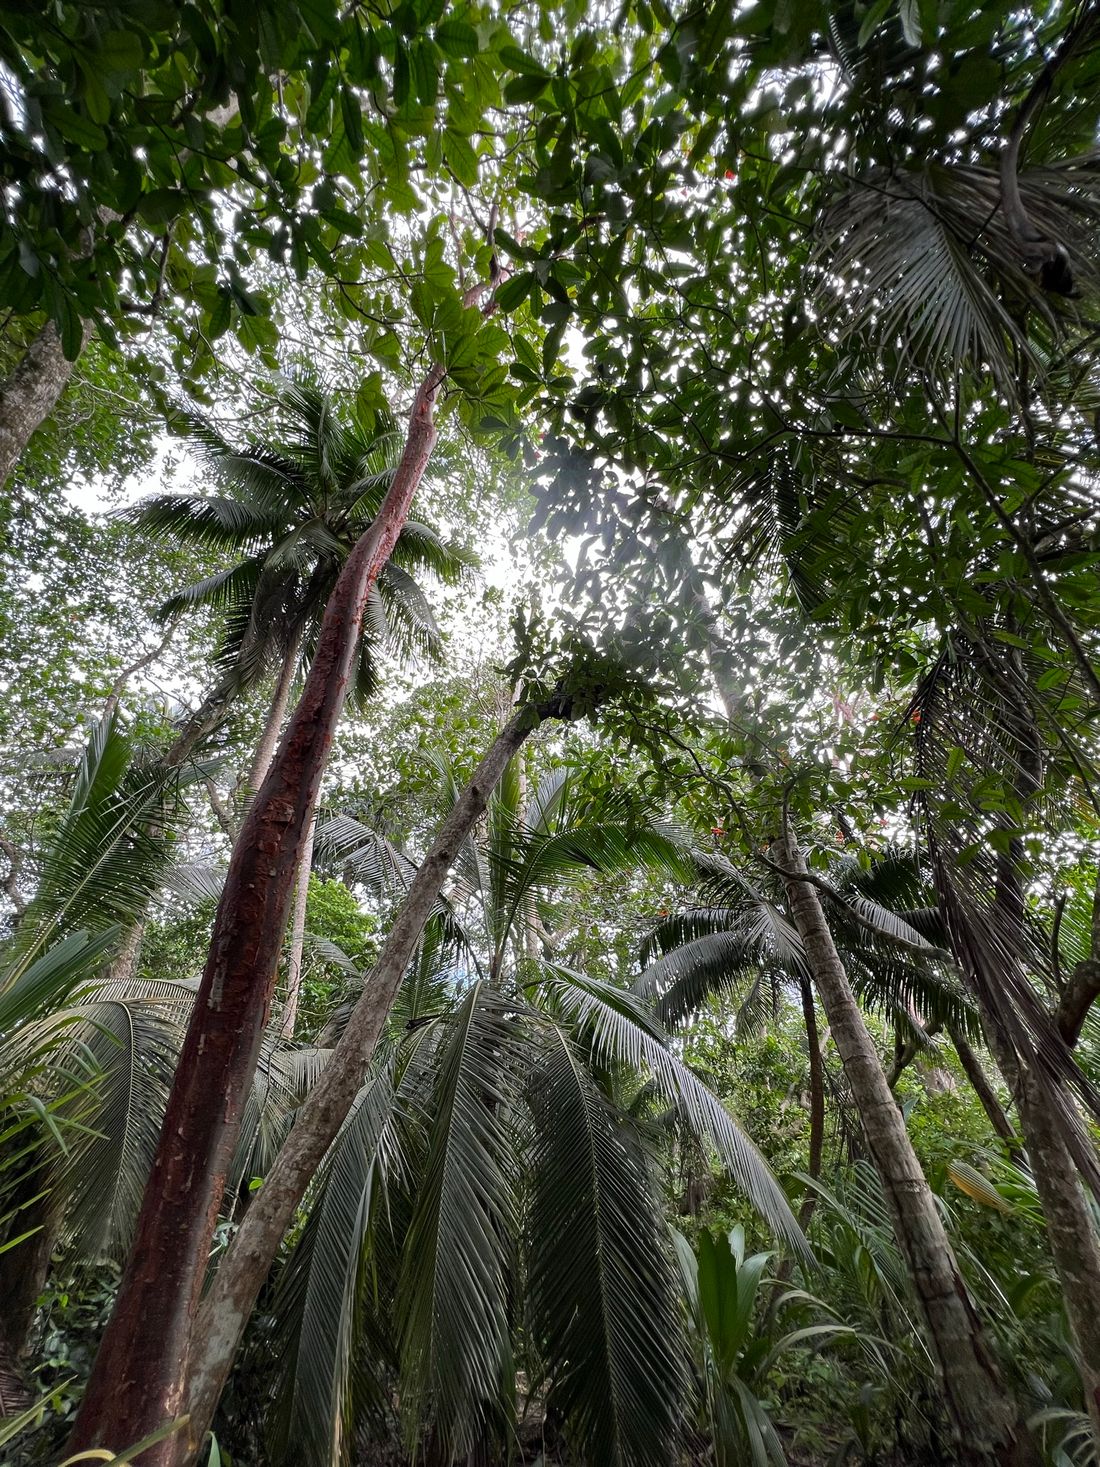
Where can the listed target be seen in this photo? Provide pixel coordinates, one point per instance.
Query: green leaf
(525, 88)
(460, 156)
(514, 291)
(120, 51)
(74, 126)
(456, 38)
(402, 74)
(517, 60)
(425, 73)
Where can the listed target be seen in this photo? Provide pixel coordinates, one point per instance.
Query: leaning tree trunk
(30, 395)
(245, 1265)
(983, 1417)
(136, 1383)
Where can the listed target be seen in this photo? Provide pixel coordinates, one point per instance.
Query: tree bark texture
(30, 395)
(137, 1380)
(244, 1267)
(983, 1418)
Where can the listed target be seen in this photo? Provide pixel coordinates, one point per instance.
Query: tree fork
(984, 1419)
(137, 1380)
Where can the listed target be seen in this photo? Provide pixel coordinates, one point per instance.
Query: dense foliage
(548, 778)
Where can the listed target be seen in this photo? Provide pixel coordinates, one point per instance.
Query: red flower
(916, 716)
(730, 173)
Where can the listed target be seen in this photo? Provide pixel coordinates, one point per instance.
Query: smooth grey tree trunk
(30, 394)
(983, 1417)
(276, 717)
(298, 936)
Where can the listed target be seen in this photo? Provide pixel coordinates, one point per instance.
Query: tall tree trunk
(137, 1380)
(246, 1262)
(276, 713)
(30, 395)
(983, 1417)
(298, 936)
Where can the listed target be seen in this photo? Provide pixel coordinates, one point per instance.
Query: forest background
(548, 753)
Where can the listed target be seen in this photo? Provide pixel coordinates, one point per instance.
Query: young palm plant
(492, 1202)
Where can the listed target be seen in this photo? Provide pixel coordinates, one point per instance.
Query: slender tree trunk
(298, 937)
(30, 395)
(983, 1417)
(245, 1265)
(817, 1099)
(982, 1086)
(276, 713)
(137, 1380)
(206, 718)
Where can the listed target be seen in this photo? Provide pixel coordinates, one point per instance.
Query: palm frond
(453, 1299)
(214, 522)
(135, 1041)
(604, 1314)
(614, 1023)
(683, 980)
(316, 1304)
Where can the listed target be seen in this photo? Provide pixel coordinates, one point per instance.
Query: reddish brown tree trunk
(137, 1380)
(227, 1306)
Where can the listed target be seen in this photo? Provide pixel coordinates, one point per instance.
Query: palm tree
(743, 942)
(292, 508)
(87, 1059)
(492, 1202)
(105, 859)
(291, 511)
